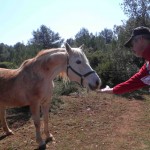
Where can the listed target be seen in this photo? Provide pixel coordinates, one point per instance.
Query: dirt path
(91, 122)
(126, 126)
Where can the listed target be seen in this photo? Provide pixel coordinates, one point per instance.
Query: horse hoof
(50, 139)
(42, 147)
(9, 133)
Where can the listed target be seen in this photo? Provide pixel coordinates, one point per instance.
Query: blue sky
(18, 18)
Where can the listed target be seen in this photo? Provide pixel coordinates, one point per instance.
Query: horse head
(79, 69)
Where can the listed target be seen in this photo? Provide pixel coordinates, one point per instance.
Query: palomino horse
(32, 83)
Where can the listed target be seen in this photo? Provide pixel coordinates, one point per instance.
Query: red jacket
(137, 81)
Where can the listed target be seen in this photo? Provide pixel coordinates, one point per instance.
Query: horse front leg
(45, 110)
(4, 122)
(35, 111)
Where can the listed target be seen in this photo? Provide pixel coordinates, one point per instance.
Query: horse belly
(13, 99)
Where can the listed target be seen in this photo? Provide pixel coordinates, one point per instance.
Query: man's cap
(137, 31)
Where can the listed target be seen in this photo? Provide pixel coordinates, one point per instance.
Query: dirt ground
(89, 122)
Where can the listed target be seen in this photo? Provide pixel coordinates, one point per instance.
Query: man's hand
(107, 89)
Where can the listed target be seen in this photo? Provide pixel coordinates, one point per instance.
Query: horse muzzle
(95, 86)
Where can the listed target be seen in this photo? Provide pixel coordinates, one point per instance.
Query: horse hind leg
(4, 122)
(45, 110)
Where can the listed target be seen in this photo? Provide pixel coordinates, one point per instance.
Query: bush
(61, 89)
(8, 65)
(65, 89)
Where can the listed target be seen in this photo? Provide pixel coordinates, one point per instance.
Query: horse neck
(53, 65)
(47, 65)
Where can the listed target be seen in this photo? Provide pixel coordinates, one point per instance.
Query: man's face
(137, 46)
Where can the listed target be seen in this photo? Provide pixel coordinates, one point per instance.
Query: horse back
(7, 79)
(8, 89)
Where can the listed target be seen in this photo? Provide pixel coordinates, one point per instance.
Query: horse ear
(82, 46)
(68, 48)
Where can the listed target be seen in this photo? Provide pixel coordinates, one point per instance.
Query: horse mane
(26, 62)
(41, 56)
(42, 53)
(49, 51)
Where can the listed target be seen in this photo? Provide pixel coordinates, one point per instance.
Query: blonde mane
(43, 53)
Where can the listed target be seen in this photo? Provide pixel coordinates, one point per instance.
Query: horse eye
(78, 62)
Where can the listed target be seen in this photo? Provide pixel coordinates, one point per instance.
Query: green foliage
(107, 34)
(7, 65)
(55, 104)
(64, 88)
(61, 89)
(139, 10)
(82, 36)
(46, 38)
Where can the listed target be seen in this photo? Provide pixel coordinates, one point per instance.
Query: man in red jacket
(140, 44)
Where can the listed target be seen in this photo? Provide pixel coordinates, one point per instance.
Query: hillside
(89, 122)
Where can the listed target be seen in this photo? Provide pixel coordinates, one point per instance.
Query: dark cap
(137, 31)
